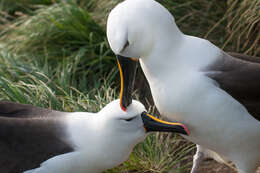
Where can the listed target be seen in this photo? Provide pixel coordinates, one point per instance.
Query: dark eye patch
(125, 46)
(129, 119)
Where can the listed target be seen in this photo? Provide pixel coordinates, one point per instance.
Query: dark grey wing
(244, 57)
(27, 142)
(11, 109)
(240, 77)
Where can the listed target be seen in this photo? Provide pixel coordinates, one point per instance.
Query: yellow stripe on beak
(122, 85)
(127, 68)
(161, 121)
(172, 124)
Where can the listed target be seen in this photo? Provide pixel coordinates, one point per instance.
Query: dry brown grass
(242, 26)
(232, 24)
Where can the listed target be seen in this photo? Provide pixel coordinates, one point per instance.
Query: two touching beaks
(127, 68)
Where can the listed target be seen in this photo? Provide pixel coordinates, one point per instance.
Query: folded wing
(30, 135)
(239, 76)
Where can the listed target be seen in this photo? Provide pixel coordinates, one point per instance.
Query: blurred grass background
(54, 54)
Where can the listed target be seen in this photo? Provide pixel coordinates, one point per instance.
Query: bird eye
(130, 119)
(125, 46)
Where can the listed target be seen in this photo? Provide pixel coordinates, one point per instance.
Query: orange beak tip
(186, 129)
(122, 107)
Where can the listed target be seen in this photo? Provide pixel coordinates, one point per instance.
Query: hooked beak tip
(122, 107)
(186, 129)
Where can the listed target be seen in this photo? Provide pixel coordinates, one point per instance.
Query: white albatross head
(122, 130)
(136, 27)
(124, 127)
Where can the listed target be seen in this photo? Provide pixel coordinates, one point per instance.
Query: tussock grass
(63, 25)
(159, 153)
(242, 27)
(54, 53)
(35, 82)
(39, 84)
(100, 10)
(61, 31)
(196, 17)
(11, 9)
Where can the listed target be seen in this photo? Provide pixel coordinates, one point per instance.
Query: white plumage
(185, 75)
(67, 142)
(100, 140)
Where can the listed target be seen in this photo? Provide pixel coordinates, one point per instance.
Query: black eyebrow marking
(125, 46)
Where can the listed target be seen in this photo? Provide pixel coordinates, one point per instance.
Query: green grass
(159, 153)
(244, 26)
(54, 54)
(63, 25)
(57, 88)
(242, 23)
(58, 32)
(35, 82)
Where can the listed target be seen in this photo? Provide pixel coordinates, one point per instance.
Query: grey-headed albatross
(76, 142)
(192, 81)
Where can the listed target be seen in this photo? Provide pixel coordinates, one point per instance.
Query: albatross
(192, 81)
(38, 140)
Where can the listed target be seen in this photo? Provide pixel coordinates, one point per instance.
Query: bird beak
(127, 68)
(153, 124)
